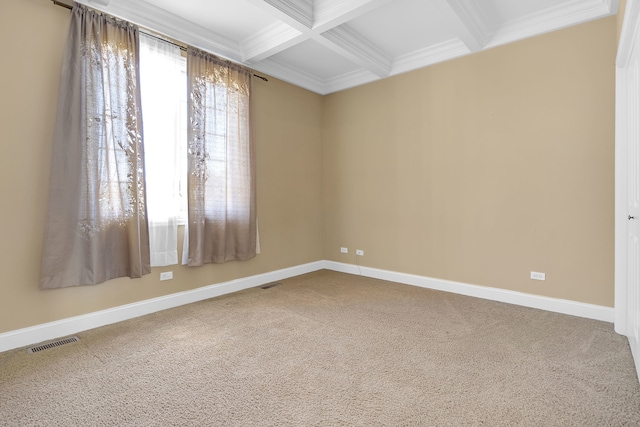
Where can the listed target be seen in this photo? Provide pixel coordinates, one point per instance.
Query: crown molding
(348, 80)
(300, 10)
(422, 58)
(331, 13)
(551, 19)
(441, 52)
(474, 18)
(324, 22)
(159, 20)
(270, 41)
(351, 45)
(613, 5)
(466, 24)
(291, 75)
(629, 34)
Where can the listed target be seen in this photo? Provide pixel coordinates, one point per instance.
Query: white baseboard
(556, 305)
(72, 325)
(635, 351)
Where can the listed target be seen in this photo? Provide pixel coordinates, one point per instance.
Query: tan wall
(288, 138)
(483, 168)
(477, 170)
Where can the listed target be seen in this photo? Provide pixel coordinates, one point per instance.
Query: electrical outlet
(535, 275)
(359, 252)
(344, 250)
(166, 275)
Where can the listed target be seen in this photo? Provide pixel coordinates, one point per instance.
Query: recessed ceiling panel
(403, 26)
(235, 20)
(316, 60)
(352, 41)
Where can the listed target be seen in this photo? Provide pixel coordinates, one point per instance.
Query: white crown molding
(299, 10)
(331, 13)
(168, 24)
(414, 60)
(551, 19)
(298, 21)
(348, 80)
(613, 6)
(270, 41)
(351, 45)
(548, 20)
(444, 51)
(629, 34)
(290, 74)
(466, 25)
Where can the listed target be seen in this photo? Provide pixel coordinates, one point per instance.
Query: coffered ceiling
(330, 45)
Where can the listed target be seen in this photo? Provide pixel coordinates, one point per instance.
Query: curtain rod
(68, 6)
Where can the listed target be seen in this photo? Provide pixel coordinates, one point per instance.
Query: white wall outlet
(344, 250)
(359, 252)
(166, 275)
(535, 275)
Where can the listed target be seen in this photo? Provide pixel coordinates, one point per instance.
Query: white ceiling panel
(330, 45)
(236, 20)
(313, 58)
(403, 26)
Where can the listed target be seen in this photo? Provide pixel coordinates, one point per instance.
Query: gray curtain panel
(96, 226)
(221, 167)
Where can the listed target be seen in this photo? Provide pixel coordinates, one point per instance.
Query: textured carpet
(330, 349)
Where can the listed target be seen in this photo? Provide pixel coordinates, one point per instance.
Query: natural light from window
(163, 84)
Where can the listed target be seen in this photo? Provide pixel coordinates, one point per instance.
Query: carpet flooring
(330, 349)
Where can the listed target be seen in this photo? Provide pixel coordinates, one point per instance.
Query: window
(163, 87)
(219, 152)
(118, 177)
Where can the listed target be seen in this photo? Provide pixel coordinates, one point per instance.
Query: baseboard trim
(573, 308)
(635, 351)
(72, 325)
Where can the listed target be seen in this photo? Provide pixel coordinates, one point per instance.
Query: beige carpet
(330, 349)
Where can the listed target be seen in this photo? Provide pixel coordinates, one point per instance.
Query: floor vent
(53, 344)
(270, 285)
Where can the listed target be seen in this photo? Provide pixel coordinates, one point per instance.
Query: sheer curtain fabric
(221, 166)
(96, 226)
(163, 88)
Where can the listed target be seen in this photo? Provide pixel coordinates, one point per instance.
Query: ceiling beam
(297, 13)
(331, 13)
(352, 46)
(301, 14)
(464, 24)
(270, 41)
